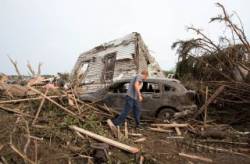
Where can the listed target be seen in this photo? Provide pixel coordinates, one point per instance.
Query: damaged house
(116, 60)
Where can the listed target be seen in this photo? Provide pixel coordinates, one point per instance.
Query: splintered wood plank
(210, 100)
(195, 157)
(113, 128)
(106, 140)
(173, 125)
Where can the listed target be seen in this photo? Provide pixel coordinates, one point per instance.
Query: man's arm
(138, 85)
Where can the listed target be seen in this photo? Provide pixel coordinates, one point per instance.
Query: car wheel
(165, 114)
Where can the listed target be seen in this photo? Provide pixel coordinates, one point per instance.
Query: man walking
(132, 100)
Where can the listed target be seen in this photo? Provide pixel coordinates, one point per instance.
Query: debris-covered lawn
(44, 128)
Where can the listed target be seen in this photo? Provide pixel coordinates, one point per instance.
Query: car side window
(168, 88)
(119, 88)
(150, 87)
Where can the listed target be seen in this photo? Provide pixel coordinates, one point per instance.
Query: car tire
(165, 114)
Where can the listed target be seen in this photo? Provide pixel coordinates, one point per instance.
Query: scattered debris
(50, 115)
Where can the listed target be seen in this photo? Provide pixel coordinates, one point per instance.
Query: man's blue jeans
(130, 104)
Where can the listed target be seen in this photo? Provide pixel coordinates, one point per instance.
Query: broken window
(84, 68)
(83, 71)
(150, 87)
(168, 88)
(109, 66)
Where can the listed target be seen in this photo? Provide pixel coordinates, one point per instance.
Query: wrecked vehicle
(163, 98)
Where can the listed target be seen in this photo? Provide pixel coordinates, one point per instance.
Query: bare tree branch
(14, 63)
(31, 70)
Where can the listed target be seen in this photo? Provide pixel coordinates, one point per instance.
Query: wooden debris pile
(42, 121)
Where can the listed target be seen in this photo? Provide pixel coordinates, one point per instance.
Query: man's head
(144, 74)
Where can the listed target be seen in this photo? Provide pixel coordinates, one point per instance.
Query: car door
(115, 98)
(152, 94)
(170, 97)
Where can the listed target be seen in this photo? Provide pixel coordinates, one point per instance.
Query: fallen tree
(206, 63)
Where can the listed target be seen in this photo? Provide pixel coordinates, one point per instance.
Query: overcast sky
(55, 32)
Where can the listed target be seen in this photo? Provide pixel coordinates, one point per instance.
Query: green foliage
(93, 124)
(68, 120)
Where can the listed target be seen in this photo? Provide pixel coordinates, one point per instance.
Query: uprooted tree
(226, 62)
